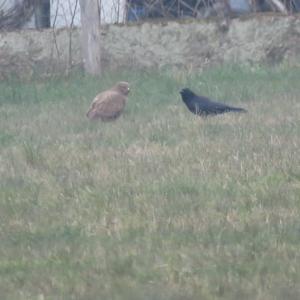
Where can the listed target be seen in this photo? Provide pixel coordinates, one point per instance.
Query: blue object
(240, 6)
(135, 12)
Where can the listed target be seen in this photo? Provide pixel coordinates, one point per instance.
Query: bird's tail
(237, 109)
(91, 114)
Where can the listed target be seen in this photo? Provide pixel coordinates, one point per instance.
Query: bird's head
(122, 87)
(186, 94)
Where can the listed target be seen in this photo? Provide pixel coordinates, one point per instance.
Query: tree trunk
(42, 13)
(90, 35)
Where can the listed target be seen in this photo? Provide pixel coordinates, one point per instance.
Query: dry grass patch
(159, 204)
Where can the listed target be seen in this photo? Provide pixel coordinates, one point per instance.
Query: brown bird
(109, 104)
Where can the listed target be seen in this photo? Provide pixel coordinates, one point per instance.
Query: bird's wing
(108, 104)
(98, 98)
(209, 106)
(218, 107)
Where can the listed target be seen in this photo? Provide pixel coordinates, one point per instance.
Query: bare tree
(73, 13)
(90, 35)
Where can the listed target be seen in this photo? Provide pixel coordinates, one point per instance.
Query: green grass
(159, 204)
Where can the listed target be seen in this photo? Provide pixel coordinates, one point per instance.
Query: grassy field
(158, 205)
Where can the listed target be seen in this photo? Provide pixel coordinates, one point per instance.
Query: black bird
(203, 106)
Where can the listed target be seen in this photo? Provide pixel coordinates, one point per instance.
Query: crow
(203, 106)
